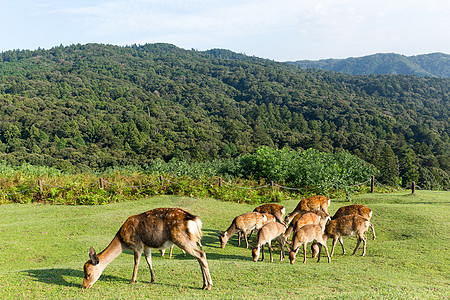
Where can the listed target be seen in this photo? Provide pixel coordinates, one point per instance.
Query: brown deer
(158, 228)
(348, 225)
(243, 223)
(354, 209)
(267, 233)
(274, 209)
(304, 235)
(312, 203)
(306, 217)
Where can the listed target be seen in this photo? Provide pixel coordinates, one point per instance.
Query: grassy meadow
(43, 249)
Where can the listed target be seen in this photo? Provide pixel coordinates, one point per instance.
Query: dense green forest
(431, 65)
(93, 107)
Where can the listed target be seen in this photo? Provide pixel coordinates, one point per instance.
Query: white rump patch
(283, 210)
(370, 214)
(264, 218)
(194, 227)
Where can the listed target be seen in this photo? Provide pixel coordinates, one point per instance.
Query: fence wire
(161, 181)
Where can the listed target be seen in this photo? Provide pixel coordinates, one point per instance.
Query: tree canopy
(93, 106)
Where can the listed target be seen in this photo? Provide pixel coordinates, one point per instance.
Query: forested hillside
(431, 65)
(85, 107)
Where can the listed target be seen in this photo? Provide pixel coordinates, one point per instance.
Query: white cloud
(270, 28)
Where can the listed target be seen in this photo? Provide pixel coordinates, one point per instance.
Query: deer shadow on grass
(211, 239)
(64, 277)
(68, 277)
(211, 246)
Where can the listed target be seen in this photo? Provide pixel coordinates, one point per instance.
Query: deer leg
(358, 241)
(318, 249)
(341, 241)
(364, 245)
(250, 234)
(239, 238)
(262, 252)
(335, 239)
(282, 248)
(304, 252)
(246, 240)
(373, 231)
(360, 238)
(269, 245)
(326, 249)
(170, 251)
(314, 249)
(148, 258)
(137, 258)
(201, 258)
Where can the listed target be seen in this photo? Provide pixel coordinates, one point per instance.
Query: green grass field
(43, 249)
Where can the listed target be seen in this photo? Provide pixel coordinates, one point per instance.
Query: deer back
(155, 227)
(306, 234)
(347, 225)
(274, 209)
(313, 203)
(249, 221)
(305, 219)
(270, 218)
(270, 231)
(354, 209)
(318, 202)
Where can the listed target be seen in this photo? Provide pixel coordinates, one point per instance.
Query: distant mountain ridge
(426, 65)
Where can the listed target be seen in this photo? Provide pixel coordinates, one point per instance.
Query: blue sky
(275, 29)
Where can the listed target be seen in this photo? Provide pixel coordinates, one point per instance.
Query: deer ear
(93, 256)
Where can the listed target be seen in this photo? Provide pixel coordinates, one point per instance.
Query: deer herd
(162, 228)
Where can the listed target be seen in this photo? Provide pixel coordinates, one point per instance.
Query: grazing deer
(306, 217)
(243, 223)
(312, 203)
(354, 209)
(348, 225)
(274, 209)
(158, 228)
(304, 235)
(267, 233)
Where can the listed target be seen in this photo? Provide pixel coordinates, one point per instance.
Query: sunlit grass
(44, 247)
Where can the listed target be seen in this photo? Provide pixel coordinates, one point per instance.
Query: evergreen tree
(386, 162)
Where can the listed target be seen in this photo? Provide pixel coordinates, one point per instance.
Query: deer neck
(229, 233)
(111, 252)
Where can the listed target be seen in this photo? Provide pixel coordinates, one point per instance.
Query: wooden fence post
(220, 181)
(102, 183)
(413, 187)
(41, 190)
(162, 181)
(372, 185)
